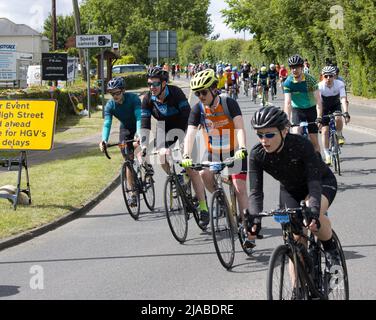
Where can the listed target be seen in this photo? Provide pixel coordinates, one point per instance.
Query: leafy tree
(64, 29)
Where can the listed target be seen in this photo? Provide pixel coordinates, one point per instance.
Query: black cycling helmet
(116, 83)
(296, 60)
(158, 72)
(269, 117)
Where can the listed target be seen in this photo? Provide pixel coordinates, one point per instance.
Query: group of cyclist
(291, 159)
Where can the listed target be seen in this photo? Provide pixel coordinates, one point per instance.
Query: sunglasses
(118, 93)
(327, 76)
(268, 135)
(202, 92)
(154, 84)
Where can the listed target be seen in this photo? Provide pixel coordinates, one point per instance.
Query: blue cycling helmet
(116, 83)
(234, 68)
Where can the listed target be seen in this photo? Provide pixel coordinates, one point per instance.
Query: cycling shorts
(308, 115)
(329, 110)
(293, 199)
(126, 134)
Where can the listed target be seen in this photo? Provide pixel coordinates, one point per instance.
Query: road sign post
(93, 41)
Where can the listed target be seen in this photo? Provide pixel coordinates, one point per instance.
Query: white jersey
(338, 89)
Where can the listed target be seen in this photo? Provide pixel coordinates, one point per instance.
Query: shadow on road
(355, 186)
(358, 172)
(357, 158)
(360, 144)
(6, 291)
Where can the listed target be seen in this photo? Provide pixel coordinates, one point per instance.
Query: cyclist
(263, 83)
(273, 76)
(223, 129)
(126, 107)
(169, 106)
(253, 80)
(333, 94)
(283, 73)
(232, 79)
(221, 79)
(292, 160)
(245, 70)
(302, 93)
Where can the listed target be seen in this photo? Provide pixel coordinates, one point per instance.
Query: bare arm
(240, 131)
(189, 140)
(318, 103)
(287, 107)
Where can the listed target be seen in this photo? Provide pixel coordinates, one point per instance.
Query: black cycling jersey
(298, 168)
(174, 110)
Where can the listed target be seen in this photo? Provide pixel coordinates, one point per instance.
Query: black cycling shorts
(292, 200)
(126, 134)
(308, 115)
(329, 110)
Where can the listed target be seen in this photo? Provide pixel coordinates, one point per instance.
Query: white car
(122, 68)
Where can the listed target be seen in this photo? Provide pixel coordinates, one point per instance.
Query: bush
(134, 80)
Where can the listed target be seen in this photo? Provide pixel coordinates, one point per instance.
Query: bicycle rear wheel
(338, 281)
(176, 214)
(284, 280)
(148, 191)
(130, 190)
(222, 229)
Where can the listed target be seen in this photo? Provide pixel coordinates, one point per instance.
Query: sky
(34, 12)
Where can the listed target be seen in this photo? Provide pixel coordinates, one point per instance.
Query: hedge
(134, 80)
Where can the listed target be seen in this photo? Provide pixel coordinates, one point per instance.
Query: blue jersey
(128, 113)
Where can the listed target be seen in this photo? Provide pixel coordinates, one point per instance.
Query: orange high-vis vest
(218, 129)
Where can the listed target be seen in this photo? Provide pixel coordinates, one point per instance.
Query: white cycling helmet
(272, 66)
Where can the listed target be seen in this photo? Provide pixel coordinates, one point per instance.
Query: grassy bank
(58, 187)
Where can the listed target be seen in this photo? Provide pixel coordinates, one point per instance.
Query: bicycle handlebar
(120, 145)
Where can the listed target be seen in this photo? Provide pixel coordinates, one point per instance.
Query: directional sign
(27, 124)
(94, 41)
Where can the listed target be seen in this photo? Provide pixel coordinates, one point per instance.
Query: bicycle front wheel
(338, 281)
(176, 214)
(284, 280)
(148, 191)
(335, 154)
(130, 190)
(222, 229)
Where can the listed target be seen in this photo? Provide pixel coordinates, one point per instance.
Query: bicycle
(264, 94)
(179, 202)
(273, 91)
(225, 222)
(334, 147)
(254, 93)
(246, 86)
(233, 93)
(141, 182)
(299, 272)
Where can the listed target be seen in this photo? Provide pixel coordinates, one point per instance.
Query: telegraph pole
(77, 23)
(54, 40)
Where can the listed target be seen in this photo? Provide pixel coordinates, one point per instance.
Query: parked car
(122, 68)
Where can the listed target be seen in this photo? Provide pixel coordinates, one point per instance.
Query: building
(20, 46)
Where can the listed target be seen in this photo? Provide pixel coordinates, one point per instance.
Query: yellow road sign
(27, 124)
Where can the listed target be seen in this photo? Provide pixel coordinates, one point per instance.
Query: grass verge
(57, 187)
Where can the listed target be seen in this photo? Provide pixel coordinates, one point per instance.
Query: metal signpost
(93, 41)
(162, 44)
